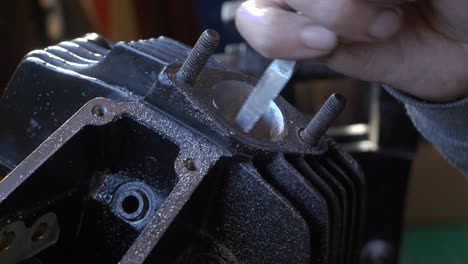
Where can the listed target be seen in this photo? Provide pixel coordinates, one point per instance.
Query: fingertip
(240, 13)
(277, 33)
(318, 38)
(386, 24)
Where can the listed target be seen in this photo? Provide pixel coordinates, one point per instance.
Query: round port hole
(132, 201)
(130, 204)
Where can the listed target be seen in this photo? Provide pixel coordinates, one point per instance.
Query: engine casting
(129, 153)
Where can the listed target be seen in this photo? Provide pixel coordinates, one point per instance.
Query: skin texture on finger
(353, 20)
(277, 33)
(390, 2)
(270, 27)
(419, 61)
(450, 17)
(428, 58)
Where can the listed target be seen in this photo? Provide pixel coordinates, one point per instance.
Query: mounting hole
(190, 165)
(132, 201)
(99, 111)
(130, 204)
(39, 232)
(6, 239)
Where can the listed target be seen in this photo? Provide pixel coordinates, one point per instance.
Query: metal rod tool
(273, 80)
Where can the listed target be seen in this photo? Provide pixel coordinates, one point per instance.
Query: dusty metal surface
(140, 166)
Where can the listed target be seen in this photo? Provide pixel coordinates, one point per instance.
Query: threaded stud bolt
(323, 119)
(198, 57)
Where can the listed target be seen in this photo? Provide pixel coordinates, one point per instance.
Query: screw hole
(40, 232)
(6, 239)
(130, 204)
(190, 165)
(99, 111)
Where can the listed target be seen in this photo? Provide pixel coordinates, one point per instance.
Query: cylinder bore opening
(228, 98)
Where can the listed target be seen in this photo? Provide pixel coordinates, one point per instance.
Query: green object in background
(435, 245)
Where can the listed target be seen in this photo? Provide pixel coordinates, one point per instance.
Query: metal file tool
(267, 89)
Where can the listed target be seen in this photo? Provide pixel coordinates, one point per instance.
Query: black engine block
(106, 157)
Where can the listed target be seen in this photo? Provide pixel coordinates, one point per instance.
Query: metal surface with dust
(140, 160)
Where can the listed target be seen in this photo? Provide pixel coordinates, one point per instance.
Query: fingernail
(318, 38)
(386, 24)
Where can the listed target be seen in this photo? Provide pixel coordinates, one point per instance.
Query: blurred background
(436, 210)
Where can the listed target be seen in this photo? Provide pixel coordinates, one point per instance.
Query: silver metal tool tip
(273, 80)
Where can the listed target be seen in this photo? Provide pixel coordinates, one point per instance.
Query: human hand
(419, 47)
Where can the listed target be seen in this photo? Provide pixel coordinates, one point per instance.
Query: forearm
(445, 125)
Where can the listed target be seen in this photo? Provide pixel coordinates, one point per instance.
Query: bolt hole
(6, 239)
(130, 204)
(190, 165)
(40, 232)
(99, 111)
